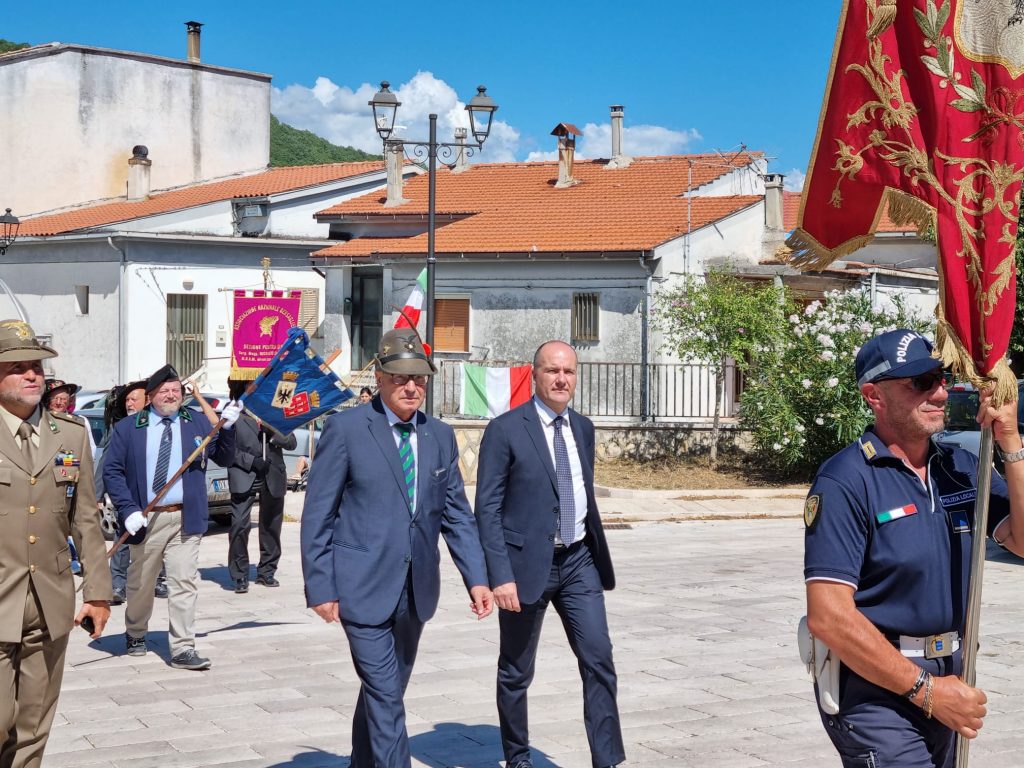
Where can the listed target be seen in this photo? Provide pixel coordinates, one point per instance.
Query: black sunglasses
(925, 382)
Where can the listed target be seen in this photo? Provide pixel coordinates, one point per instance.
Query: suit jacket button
(32, 539)
(32, 568)
(408, 558)
(32, 481)
(551, 537)
(31, 510)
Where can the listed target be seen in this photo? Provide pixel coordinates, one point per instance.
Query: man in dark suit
(258, 469)
(143, 455)
(384, 485)
(544, 544)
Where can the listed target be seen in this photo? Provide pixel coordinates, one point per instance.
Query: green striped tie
(405, 455)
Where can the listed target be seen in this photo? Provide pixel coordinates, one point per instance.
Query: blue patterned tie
(566, 500)
(405, 455)
(163, 459)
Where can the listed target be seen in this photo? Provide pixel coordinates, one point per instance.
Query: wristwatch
(1009, 458)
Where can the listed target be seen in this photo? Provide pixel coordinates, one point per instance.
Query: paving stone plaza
(703, 622)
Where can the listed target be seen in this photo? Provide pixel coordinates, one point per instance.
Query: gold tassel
(884, 16)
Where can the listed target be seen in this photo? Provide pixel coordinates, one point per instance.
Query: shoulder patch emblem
(811, 509)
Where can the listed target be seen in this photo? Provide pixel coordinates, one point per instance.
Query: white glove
(135, 522)
(231, 413)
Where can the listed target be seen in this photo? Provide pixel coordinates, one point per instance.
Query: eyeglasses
(401, 379)
(926, 382)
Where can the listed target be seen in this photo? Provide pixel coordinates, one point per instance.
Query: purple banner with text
(262, 321)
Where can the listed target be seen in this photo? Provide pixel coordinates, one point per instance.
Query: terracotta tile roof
(269, 182)
(515, 208)
(791, 212)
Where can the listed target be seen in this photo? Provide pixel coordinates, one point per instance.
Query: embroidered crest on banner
(992, 31)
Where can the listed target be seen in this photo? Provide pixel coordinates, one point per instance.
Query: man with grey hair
(384, 485)
(46, 469)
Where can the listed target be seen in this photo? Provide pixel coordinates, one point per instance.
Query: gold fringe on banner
(907, 209)
(954, 355)
(809, 254)
(882, 19)
(245, 374)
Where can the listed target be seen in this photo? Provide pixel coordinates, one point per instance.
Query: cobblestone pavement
(703, 623)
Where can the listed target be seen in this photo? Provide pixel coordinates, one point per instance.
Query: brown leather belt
(168, 508)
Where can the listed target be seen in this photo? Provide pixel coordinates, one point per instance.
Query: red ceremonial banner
(262, 321)
(923, 110)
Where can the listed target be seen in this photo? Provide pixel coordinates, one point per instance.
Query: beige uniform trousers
(30, 676)
(165, 543)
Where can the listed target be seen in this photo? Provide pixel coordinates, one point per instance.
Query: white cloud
(794, 181)
(637, 140)
(535, 156)
(343, 116)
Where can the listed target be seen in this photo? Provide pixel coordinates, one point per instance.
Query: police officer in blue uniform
(887, 562)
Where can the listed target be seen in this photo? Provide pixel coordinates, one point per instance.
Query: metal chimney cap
(140, 150)
(193, 26)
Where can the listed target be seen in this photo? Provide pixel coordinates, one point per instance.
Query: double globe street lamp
(481, 109)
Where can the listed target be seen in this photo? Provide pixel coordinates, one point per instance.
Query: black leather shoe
(241, 586)
(160, 590)
(118, 597)
(268, 581)
(526, 763)
(190, 660)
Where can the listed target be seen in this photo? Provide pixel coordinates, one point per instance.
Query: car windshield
(961, 410)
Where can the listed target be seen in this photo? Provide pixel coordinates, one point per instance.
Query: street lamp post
(481, 109)
(8, 231)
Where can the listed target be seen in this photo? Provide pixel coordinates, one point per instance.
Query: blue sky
(694, 75)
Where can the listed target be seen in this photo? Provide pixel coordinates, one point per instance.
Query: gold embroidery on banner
(981, 187)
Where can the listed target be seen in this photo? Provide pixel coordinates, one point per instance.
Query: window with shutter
(451, 325)
(309, 311)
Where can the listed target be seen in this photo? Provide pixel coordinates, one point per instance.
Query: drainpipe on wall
(645, 320)
(120, 311)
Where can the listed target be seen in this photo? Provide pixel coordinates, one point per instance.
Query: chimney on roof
(618, 160)
(773, 201)
(138, 174)
(193, 28)
(566, 133)
(393, 156)
(461, 163)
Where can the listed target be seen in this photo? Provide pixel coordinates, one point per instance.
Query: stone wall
(645, 442)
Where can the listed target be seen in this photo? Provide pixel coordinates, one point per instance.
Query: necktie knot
(25, 431)
(558, 422)
(166, 421)
(404, 429)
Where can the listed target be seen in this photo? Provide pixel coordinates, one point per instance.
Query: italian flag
(488, 392)
(414, 304)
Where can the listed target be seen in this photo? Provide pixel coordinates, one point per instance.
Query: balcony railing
(626, 391)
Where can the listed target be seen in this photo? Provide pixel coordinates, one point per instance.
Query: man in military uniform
(887, 562)
(45, 468)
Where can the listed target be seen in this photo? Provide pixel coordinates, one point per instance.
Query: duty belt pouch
(822, 665)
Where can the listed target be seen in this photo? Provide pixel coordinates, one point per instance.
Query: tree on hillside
(6, 46)
(718, 317)
(291, 146)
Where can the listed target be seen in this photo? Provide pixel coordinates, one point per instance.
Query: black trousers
(271, 516)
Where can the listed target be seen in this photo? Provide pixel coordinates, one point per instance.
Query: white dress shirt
(579, 489)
